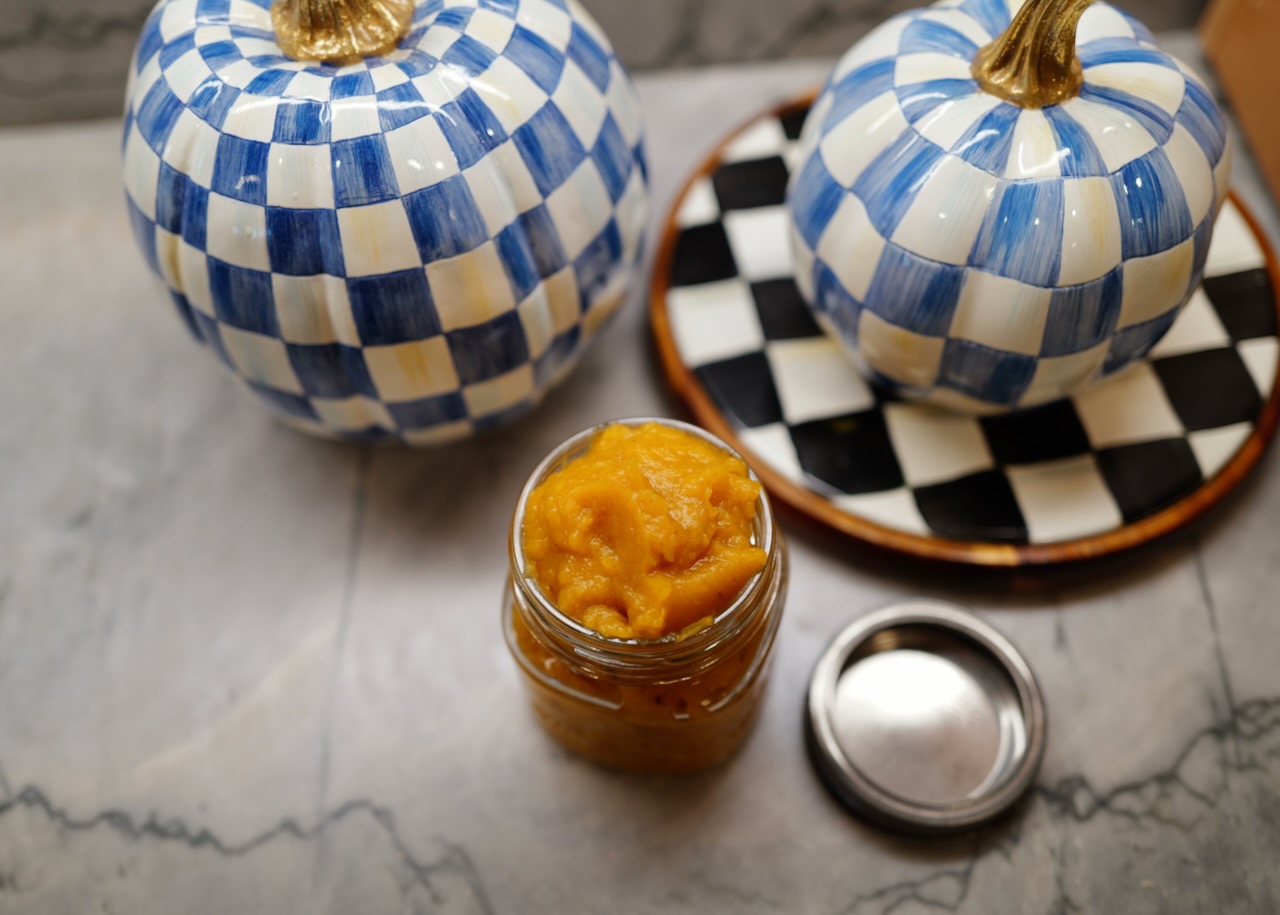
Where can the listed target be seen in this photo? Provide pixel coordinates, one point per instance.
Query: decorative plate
(1130, 459)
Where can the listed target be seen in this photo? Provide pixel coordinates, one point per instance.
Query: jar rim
(763, 535)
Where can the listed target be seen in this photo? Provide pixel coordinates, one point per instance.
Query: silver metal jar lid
(924, 719)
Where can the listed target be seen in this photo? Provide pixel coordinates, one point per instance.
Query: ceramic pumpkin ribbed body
(984, 253)
(410, 247)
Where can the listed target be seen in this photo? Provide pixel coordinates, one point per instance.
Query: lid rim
(867, 798)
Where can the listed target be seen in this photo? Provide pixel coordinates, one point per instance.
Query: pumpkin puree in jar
(648, 533)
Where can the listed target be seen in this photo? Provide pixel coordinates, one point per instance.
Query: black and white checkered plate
(1128, 460)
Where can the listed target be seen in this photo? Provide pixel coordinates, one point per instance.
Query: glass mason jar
(678, 703)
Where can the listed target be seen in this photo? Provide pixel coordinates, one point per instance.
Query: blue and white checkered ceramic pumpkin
(411, 247)
(991, 216)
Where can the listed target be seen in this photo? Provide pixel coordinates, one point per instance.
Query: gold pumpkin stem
(340, 31)
(1034, 64)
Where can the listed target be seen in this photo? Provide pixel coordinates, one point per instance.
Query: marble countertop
(246, 671)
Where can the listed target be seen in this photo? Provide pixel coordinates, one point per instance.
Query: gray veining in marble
(244, 671)
(64, 59)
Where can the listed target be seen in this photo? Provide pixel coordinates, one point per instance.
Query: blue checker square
(1021, 237)
(149, 42)
(400, 105)
(212, 100)
(1080, 157)
(536, 57)
(922, 98)
(1082, 316)
(473, 131)
(469, 56)
(270, 83)
(505, 7)
(176, 48)
(362, 172)
(613, 158)
(544, 240)
(219, 54)
(1136, 341)
(304, 242)
(589, 57)
(595, 264)
(985, 373)
(430, 411)
(927, 36)
(834, 301)
(1200, 115)
(144, 232)
(561, 350)
(352, 85)
(157, 114)
(855, 89)
(185, 312)
(455, 17)
(1153, 209)
(887, 187)
(549, 148)
(915, 292)
(517, 259)
(171, 190)
(212, 11)
(490, 349)
(393, 308)
(418, 63)
(331, 370)
(195, 215)
(302, 122)
(238, 294)
(206, 329)
(240, 169)
(445, 219)
(987, 143)
(815, 197)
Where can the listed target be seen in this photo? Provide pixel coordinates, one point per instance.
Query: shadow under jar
(675, 704)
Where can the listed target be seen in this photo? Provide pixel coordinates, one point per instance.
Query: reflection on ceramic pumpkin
(411, 246)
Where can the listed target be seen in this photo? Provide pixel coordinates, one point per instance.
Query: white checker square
(761, 140)
(1119, 138)
(625, 105)
(387, 76)
(178, 19)
(699, 206)
(493, 30)
(1154, 285)
(562, 298)
(851, 246)
(412, 371)
(510, 94)
(897, 353)
(1234, 248)
(194, 267)
(580, 208)
(772, 444)
(212, 34)
(958, 21)
(507, 166)
(300, 176)
(816, 380)
(237, 233)
(804, 260)
(438, 39)
(1001, 313)
(353, 414)
(548, 22)
(758, 238)
(420, 155)
(1127, 408)
(910, 69)
(186, 74)
(354, 117)
(853, 144)
(314, 309)
(947, 123)
(607, 300)
(1260, 358)
(944, 218)
(714, 321)
(141, 172)
(1102, 22)
(538, 321)
(239, 75)
(880, 43)
(633, 215)
(581, 103)
(441, 434)
(251, 46)
(1034, 152)
(895, 509)
(1156, 84)
(252, 118)
(1214, 448)
(501, 393)
(934, 446)
(1197, 328)
(1057, 376)
(1064, 500)
(377, 239)
(168, 247)
(471, 288)
(492, 196)
(1195, 177)
(192, 148)
(440, 87)
(310, 86)
(260, 359)
(1090, 231)
(1222, 175)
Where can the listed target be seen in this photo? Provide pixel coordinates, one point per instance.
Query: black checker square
(1047, 433)
(783, 313)
(750, 184)
(702, 255)
(743, 388)
(1245, 303)
(980, 507)
(1149, 476)
(1209, 389)
(851, 454)
(793, 122)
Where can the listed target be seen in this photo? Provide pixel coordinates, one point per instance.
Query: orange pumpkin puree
(646, 534)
